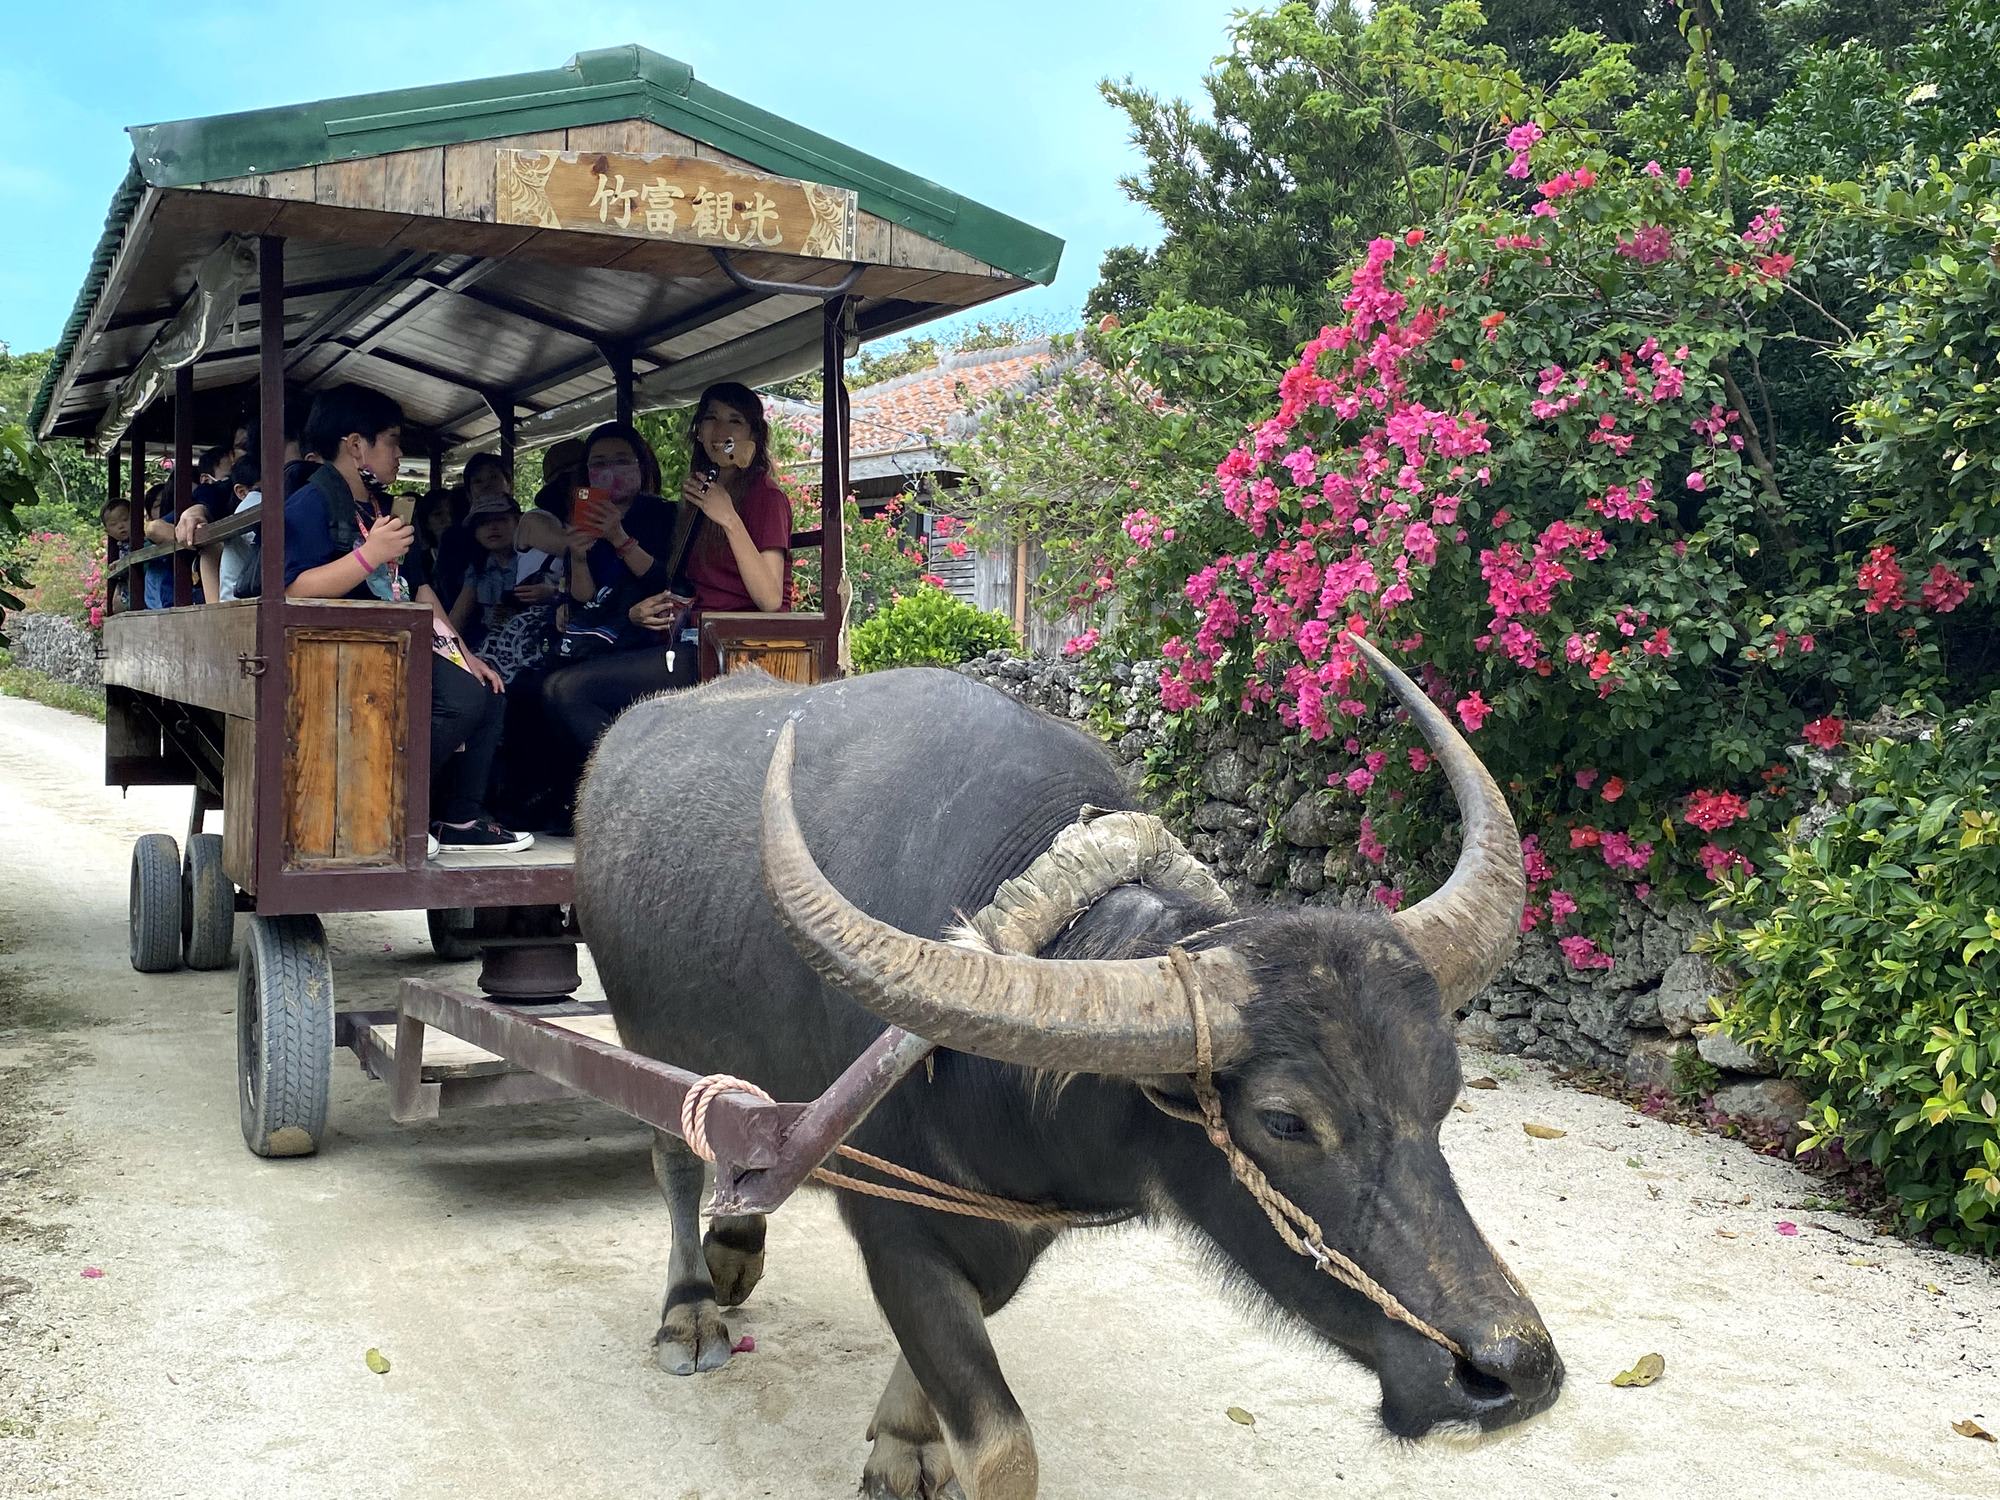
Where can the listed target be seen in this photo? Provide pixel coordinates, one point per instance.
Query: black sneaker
(481, 835)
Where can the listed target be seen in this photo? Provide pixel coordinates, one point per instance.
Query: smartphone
(404, 508)
(589, 510)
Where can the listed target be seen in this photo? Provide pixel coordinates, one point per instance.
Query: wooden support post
(832, 462)
(183, 474)
(270, 668)
(621, 372)
(138, 530)
(114, 483)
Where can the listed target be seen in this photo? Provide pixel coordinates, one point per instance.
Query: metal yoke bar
(183, 473)
(763, 1151)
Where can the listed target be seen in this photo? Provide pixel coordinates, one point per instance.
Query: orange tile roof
(912, 412)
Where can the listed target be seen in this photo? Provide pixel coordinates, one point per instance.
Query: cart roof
(470, 245)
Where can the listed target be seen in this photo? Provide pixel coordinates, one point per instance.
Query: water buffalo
(721, 925)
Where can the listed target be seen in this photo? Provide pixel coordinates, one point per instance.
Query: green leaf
(377, 1361)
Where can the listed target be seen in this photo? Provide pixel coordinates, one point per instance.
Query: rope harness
(944, 1197)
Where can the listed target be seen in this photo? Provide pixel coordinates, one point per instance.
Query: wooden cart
(514, 260)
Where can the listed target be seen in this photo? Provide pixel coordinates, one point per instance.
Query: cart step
(447, 1056)
(549, 850)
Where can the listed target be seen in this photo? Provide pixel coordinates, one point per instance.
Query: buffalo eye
(1282, 1124)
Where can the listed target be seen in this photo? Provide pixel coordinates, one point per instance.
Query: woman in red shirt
(730, 549)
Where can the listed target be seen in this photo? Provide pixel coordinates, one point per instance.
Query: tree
(70, 483)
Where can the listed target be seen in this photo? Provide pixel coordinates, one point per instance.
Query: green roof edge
(592, 88)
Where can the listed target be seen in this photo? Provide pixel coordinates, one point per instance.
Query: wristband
(621, 548)
(362, 558)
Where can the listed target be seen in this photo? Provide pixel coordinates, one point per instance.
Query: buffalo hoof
(734, 1271)
(900, 1469)
(692, 1338)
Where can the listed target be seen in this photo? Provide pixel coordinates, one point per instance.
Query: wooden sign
(674, 198)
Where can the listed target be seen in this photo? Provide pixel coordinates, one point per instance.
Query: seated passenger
(159, 531)
(485, 475)
(432, 518)
(729, 549)
(483, 597)
(116, 518)
(342, 541)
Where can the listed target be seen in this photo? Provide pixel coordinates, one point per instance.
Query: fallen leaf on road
(1463, 1108)
(1649, 1369)
(91, 1273)
(1787, 1228)
(1727, 1234)
(13, 1286)
(1240, 1417)
(1856, 1260)
(1543, 1132)
(377, 1361)
(1482, 1082)
(1971, 1429)
(1933, 1288)
(745, 1345)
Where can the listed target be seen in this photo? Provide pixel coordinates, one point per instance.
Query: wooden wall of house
(986, 579)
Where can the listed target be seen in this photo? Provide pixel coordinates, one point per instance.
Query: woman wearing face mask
(622, 547)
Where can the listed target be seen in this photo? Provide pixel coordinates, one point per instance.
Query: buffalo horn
(1120, 1016)
(1464, 930)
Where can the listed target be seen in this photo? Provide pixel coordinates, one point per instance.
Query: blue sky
(998, 102)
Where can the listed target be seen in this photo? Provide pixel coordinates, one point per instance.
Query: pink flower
(1370, 847)
(1582, 953)
(1472, 711)
(1717, 862)
(1077, 645)
(1561, 905)
(1586, 779)
(1420, 759)
(1826, 733)
(1709, 811)
(1360, 779)
(1944, 591)
(1391, 896)
(1683, 176)
(1881, 579)
(1697, 481)
(1613, 789)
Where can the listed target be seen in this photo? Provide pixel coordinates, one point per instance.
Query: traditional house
(897, 432)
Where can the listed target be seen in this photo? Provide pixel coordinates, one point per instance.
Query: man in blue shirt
(342, 541)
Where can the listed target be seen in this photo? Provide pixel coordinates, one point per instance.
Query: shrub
(929, 628)
(62, 573)
(1871, 972)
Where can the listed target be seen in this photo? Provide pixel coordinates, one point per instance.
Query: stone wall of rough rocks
(1273, 840)
(56, 646)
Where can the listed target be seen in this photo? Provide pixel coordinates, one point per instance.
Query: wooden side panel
(794, 661)
(414, 182)
(312, 747)
(352, 184)
(471, 171)
(190, 655)
(346, 779)
(371, 780)
(296, 185)
(239, 801)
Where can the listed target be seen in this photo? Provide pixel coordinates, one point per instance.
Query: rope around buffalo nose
(1294, 1225)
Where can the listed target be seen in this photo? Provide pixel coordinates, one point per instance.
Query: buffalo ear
(1172, 1094)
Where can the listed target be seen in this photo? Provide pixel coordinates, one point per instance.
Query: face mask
(621, 483)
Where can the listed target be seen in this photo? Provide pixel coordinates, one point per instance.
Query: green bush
(929, 628)
(1873, 971)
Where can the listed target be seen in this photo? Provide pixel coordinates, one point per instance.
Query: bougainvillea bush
(1524, 458)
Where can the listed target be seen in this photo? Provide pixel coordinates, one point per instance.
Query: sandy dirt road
(509, 1263)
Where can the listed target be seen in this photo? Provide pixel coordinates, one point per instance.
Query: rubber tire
(284, 1034)
(208, 904)
(155, 905)
(450, 929)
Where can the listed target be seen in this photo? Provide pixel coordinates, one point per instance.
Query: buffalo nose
(1512, 1373)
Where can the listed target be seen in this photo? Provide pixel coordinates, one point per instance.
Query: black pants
(583, 700)
(464, 713)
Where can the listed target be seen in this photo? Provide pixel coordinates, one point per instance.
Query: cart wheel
(452, 933)
(208, 904)
(284, 1034)
(156, 904)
